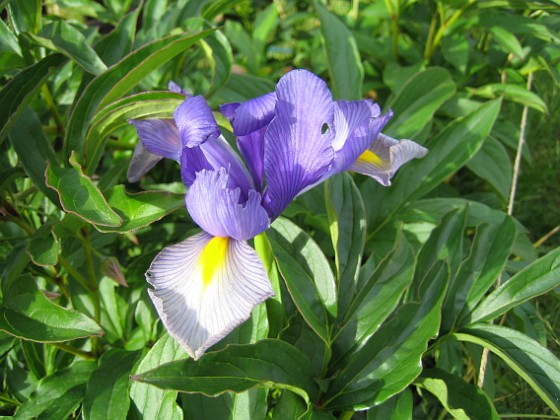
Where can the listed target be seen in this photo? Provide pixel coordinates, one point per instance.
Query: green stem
(52, 106)
(74, 273)
(76, 352)
(346, 415)
(394, 25)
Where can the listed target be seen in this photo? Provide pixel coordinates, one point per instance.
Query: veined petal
(195, 121)
(250, 115)
(142, 161)
(159, 137)
(175, 88)
(251, 147)
(204, 287)
(385, 155)
(217, 209)
(214, 155)
(354, 132)
(298, 143)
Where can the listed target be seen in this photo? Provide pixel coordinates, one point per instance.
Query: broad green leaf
(513, 93)
(347, 222)
(490, 250)
(448, 152)
(250, 404)
(238, 368)
(117, 43)
(8, 40)
(33, 150)
(377, 299)
(518, 24)
(80, 196)
(345, 65)
(141, 209)
(534, 363)
(391, 359)
(493, 164)
(106, 394)
(460, 399)
(17, 93)
(306, 271)
(216, 7)
(290, 406)
(117, 114)
(219, 54)
(57, 395)
(27, 313)
(417, 101)
(445, 243)
(507, 40)
(534, 280)
(148, 401)
(119, 79)
(455, 50)
(25, 15)
(398, 407)
(43, 248)
(65, 39)
(241, 87)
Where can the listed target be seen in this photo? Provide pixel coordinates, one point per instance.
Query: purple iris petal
(195, 121)
(298, 141)
(218, 211)
(356, 125)
(159, 137)
(250, 115)
(214, 155)
(142, 161)
(251, 147)
(175, 88)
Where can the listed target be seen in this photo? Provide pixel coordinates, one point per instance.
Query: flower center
(212, 258)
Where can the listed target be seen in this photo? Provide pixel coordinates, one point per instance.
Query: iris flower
(290, 140)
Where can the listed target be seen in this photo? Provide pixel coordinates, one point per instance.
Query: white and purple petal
(251, 115)
(222, 211)
(204, 287)
(298, 141)
(195, 121)
(385, 156)
(159, 137)
(354, 132)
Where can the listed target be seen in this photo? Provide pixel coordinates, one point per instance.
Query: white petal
(206, 286)
(385, 156)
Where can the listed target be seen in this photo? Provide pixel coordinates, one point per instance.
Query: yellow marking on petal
(212, 258)
(369, 157)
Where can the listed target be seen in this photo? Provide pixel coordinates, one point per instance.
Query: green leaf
(417, 101)
(80, 196)
(391, 359)
(17, 93)
(398, 407)
(444, 244)
(241, 87)
(119, 79)
(25, 15)
(65, 39)
(534, 280)
(44, 247)
(493, 164)
(57, 395)
(377, 299)
(238, 368)
(219, 54)
(140, 209)
(217, 7)
(455, 50)
(148, 401)
(507, 40)
(489, 254)
(461, 400)
(117, 43)
(534, 363)
(117, 114)
(33, 150)
(107, 389)
(345, 64)
(290, 406)
(250, 404)
(347, 222)
(511, 92)
(306, 272)
(449, 151)
(27, 313)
